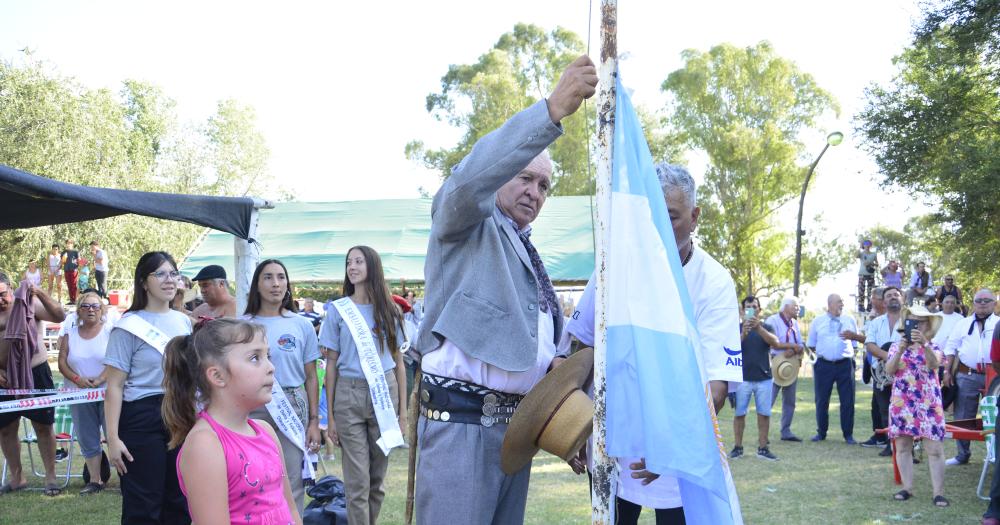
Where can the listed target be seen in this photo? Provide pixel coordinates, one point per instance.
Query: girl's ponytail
(180, 372)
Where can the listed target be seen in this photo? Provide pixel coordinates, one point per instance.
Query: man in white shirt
(921, 284)
(969, 343)
(950, 315)
(881, 332)
(716, 311)
(100, 266)
(834, 337)
(785, 324)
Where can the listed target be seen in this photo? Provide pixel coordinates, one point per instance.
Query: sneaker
(736, 453)
(850, 440)
(886, 452)
(873, 443)
(61, 454)
(765, 453)
(955, 461)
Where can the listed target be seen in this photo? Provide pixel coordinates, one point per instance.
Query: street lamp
(833, 139)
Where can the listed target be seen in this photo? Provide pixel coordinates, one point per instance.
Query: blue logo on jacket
(734, 361)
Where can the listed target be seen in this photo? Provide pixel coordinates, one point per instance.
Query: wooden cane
(411, 437)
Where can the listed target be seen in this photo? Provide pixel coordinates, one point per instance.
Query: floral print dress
(915, 407)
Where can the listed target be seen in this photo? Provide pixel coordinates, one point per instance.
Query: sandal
(52, 490)
(941, 501)
(91, 488)
(7, 488)
(902, 495)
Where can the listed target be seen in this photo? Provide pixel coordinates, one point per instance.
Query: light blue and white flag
(658, 403)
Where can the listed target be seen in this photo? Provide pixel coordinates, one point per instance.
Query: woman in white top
(33, 275)
(81, 362)
(55, 264)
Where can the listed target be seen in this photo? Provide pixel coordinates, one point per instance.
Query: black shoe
(850, 440)
(765, 453)
(873, 442)
(61, 454)
(817, 438)
(736, 453)
(886, 452)
(793, 438)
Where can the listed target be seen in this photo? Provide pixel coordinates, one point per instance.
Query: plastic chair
(988, 411)
(63, 428)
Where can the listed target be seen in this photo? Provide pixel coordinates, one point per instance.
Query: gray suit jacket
(480, 290)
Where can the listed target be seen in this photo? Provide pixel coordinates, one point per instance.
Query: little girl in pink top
(230, 467)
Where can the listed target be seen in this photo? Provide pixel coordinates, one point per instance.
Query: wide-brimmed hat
(784, 370)
(556, 416)
(933, 318)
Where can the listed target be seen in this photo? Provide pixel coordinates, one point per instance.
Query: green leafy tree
(54, 127)
(935, 128)
(521, 68)
(745, 109)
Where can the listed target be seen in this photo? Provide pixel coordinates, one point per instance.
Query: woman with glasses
(137, 436)
(81, 357)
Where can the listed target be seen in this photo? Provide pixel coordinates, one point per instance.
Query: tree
(54, 127)
(521, 68)
(745, 109)
(935, 128)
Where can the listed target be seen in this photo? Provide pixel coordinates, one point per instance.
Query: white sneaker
(951, 462)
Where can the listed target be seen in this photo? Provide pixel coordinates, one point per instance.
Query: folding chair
(63, 429)
(988, 410)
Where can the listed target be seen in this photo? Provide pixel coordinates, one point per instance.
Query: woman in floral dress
(915, 409)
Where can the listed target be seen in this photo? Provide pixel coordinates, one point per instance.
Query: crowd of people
(214, 415)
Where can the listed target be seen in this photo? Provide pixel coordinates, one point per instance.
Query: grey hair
(674, 176)
(789, 300)
(4, 279)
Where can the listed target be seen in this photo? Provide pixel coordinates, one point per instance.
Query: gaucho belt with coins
(454, 401)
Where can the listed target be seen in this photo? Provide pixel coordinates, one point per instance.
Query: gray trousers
(88, 421)
(459, 478)
(787, 405)
(291, 454)
(967, 406)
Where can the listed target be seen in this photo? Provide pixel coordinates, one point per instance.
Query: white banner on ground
(74, 397)
(371, 365)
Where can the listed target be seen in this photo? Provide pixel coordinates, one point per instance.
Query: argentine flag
(658, 405)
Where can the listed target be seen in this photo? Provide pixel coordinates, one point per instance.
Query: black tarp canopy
(27, 201)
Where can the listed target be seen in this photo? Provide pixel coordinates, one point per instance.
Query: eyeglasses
(164, 275)
(90, 306)
(984, 300)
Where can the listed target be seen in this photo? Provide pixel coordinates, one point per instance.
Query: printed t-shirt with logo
(293, 344)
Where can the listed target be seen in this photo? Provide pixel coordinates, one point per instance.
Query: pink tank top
(254, 470)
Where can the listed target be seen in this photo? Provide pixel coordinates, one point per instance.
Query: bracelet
(75, 378)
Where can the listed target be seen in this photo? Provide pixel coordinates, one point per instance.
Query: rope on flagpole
(602, 497)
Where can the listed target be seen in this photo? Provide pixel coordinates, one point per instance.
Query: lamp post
(832, 139)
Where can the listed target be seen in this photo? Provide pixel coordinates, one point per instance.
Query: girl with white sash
(137, 436)
(365, 381)
(294, 351)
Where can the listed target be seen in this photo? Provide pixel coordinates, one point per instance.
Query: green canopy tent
(312, 238)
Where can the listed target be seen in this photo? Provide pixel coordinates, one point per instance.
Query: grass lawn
(827, 482)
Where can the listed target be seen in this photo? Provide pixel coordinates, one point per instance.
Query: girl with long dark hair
(353, 425)
(137, 436)
(294, 351)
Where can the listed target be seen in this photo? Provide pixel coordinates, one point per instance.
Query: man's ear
(695, 213)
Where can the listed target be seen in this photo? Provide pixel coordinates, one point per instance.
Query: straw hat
(934, 319)
(556, 416)
(784, 370)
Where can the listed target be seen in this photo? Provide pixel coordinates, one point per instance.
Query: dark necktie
(546, 293)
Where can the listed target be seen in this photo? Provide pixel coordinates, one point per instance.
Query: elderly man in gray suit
(491, 319)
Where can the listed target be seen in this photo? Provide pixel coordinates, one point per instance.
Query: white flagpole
(604, 469)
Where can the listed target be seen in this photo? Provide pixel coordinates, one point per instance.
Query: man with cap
(967, 356)
(491, 320)
(215, 291)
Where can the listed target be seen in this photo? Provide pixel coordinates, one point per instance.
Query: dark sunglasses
(90, 306)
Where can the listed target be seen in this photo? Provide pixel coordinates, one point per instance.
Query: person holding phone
(915, 409)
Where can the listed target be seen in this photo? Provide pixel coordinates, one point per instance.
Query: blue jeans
(761, 391)
(826, 374)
